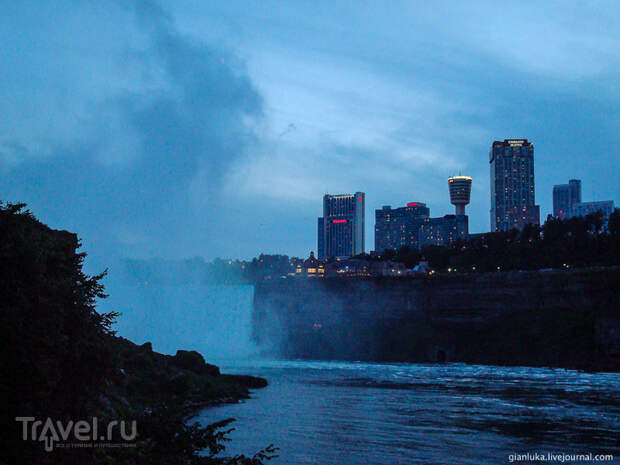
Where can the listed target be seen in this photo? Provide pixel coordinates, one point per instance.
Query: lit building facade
(512, 185)
(341, 228)
(443, 230)
(411, 226)
(399, 227)
(565, 196)
(311, 267)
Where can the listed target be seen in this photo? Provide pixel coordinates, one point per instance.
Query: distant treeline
(575, 242)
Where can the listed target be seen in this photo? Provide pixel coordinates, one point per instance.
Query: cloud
(116, 159)
(167, 129)
(420, 92)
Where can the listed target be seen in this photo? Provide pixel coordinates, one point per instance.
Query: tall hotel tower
(512, 185)
(341, 228)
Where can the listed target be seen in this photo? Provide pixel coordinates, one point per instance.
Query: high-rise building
(575, 190)
(567, 202)
(341, 228)
(512, 185)
(564, 197)
(411, 226)
(443, 230)
(399, 227)
(460, 191)
(606, 207)
(561, 201)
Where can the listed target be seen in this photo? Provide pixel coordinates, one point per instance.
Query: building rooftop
(512, 143)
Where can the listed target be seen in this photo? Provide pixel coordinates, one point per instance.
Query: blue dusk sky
(196, 128)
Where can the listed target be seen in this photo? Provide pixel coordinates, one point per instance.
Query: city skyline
(412, 226)
(229, 121)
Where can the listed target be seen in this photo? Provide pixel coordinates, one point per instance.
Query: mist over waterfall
(213, 319)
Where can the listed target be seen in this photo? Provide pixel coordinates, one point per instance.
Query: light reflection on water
(352, 413)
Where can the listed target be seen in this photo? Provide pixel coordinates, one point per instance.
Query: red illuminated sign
(359, 199)
(413, 204)
(339, 221)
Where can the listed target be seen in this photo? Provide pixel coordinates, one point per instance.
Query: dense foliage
(60, 359)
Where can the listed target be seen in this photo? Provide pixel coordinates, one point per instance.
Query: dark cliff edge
(568, 319)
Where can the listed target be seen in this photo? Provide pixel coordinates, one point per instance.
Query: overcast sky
(214, 128)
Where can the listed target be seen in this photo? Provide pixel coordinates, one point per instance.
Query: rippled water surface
(358, 413)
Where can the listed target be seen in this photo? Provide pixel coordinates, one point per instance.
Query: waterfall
(213, 319)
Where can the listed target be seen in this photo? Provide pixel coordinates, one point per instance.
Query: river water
(359, 413)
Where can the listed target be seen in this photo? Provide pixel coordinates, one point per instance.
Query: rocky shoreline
(148, 377)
